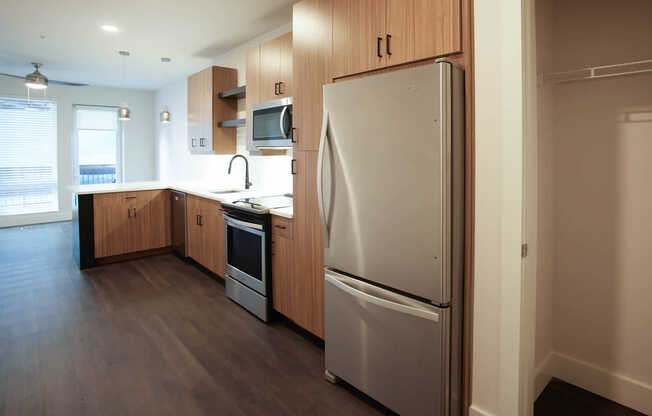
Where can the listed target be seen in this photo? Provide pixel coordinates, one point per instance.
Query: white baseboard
(30, 219)
(542, 375)
(617, 387)
(476, 411)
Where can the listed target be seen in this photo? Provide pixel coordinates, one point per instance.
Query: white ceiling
(191, 32)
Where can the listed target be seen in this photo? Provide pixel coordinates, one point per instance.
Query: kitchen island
(112, 222)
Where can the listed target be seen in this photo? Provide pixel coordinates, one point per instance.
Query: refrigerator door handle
(320, 168)
(385, 302)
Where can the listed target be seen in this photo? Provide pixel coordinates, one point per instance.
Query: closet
(594, 176)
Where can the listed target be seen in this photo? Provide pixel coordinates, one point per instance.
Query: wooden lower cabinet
(127, 222)
(282, 275)
(206, 233)
(308, 277)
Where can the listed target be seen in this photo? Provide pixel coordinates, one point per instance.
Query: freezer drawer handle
(384, 303)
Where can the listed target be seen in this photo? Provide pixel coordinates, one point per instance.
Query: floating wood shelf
(232, 123)
(240, 92)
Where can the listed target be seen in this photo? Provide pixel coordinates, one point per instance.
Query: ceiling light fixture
(124, 114)
(36, 80)
(165, 59)
(165, 115)
(109, 28)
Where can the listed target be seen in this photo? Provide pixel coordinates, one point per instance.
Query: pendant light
(165, 114)
(124, 113)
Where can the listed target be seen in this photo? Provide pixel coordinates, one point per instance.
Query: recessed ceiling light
(109, 28)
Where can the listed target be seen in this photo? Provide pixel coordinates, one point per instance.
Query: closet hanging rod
(597, 72)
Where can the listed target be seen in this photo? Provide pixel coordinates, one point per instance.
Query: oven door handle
(242, 224)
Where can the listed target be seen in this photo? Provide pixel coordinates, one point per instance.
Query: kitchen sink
(226, 191)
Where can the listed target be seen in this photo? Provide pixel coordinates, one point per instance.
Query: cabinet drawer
(282, 227)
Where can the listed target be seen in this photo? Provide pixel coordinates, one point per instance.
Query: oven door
(272, 124)
(245, 253)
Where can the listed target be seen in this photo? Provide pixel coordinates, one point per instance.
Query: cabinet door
(110, 219)
(282, 272)
(285, 65)
(194, 112)
(308, 278)
(253, 76)
(311, 48)
(358, 36)
(212, 237)
(194, 233)
(270, 69)
(437, 28)
(139, 222)
(205, 98)
(399, 40)
(161, 223)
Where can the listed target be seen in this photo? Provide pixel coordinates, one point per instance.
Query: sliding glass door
(97, 144)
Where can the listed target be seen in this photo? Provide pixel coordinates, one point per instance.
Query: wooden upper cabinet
(437, 28)
(206, 109)
(372, 34)
(358, 36)
(270, 69)
(399, 40)
(275, 68)
(312, 28)
(253, 77)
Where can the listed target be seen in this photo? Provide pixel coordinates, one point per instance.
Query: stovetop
(261, 205)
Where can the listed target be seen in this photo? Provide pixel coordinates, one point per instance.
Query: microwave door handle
(320, 168)
(281, 121)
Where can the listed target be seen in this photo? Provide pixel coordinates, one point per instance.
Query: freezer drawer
(391, 347)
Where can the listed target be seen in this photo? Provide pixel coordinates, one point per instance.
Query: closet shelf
(232, 123)
(597, 72)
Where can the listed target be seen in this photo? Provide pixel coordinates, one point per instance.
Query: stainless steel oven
(272, 124)
(247, 260)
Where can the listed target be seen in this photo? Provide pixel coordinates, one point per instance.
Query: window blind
(28, 156)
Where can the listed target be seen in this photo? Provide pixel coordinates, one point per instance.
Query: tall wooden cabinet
(127, 222)
(312, 47)
(205, 110)
(373, 34)
(205, 242)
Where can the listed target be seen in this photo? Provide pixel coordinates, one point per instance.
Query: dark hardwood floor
(148, 336)
(563, 399)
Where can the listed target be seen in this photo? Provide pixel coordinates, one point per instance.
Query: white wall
(499, 135)
(174, 161)
(593, 316)
(139, 136)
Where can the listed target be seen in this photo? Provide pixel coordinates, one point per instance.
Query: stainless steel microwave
(272, 124)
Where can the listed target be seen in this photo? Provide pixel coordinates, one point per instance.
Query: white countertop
(197, 189)
(283, 212)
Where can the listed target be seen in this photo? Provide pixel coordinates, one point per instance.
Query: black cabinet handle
(389, 37)
(201, 220)
(134, 212)
(130, 197)
(128, 212)
(380, 55)
(293, 138)
(282, 227)
(197, 219)
(293, 164)
(280, 83)
(276, 88)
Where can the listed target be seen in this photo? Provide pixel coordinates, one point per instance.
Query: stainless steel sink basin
(226, 191)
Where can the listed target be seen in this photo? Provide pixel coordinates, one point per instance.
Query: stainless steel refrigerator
(391, 194)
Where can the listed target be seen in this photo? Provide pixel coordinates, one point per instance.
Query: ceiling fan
(38, 81)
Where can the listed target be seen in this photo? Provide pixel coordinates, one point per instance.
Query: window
(98, 145)
(28, 156)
